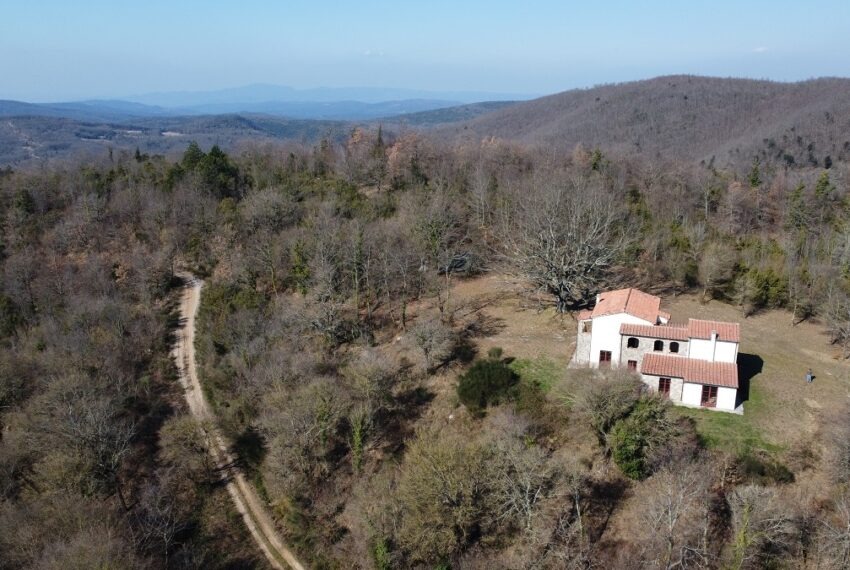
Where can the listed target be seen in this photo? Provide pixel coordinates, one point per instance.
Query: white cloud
(760, 49)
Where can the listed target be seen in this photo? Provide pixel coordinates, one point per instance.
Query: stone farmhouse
(692, 364)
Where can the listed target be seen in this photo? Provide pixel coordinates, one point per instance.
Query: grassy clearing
(540, 371)
(728, 432)
(739, 435)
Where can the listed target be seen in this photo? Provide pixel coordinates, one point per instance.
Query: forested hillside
(29, 141)
(345, 367)
(727, 121)
(713, 121)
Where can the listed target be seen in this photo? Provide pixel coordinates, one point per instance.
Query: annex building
(692, 364)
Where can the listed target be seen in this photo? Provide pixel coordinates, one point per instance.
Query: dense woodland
(315, 260)
(711, 119)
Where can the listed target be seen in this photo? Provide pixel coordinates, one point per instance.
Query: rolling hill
(445, 115)
(41, 132)
(37, 138)
(685, 118)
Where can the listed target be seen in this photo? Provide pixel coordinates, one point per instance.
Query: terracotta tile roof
(585, 314)
(691, 369)
(667, 332)
(636, 303)
(662, 365)
(716, 373)
(664, 315)
(729, 332)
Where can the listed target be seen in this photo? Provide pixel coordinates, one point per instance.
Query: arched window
(674, 347)
(659, 346)
(632, 342)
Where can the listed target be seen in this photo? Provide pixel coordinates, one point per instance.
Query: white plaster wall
(700, 349)
(726, 398)
(725, 351)
(606, 336)
(692, 394)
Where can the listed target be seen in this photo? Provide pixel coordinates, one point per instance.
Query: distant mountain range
(34, 132)
(265, 93)
(126, 110)
(344, 104)
(683, 118)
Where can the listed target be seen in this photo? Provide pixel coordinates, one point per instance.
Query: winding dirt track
(244, 497)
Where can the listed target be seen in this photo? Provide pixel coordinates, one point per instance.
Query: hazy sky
(63, 49)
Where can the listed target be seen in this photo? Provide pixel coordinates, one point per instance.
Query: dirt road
(244, 497)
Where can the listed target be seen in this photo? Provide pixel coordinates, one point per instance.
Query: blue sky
(58, 50)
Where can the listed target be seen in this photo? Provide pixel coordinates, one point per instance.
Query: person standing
(809, 376)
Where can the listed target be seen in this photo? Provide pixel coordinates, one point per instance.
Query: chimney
(598, 295)
(713, 344)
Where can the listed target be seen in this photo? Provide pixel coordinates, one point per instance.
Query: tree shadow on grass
(399, 424)
(749, 366)
(605, 497)
(483, 325)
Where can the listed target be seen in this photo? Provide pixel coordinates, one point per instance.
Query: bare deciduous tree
(716, 268)
(300, 428)
(833, 536)
(435, 340)
(185, 447)
(524, 477)
(444, 487)
(676, 516)
(564, 237)
(762, 527)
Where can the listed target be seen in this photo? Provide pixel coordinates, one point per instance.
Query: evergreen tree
(755, 174)
(193, 156)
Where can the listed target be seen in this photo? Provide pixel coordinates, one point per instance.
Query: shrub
(635, 437)
(606, 400)
(486, 383)
(495, 353)
(382, 555)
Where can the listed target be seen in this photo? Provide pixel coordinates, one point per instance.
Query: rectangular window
(709, 396)
(587, 326)
(664, 387)
(632, 365)
(605, 358)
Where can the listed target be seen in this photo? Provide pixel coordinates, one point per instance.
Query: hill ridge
(683, 117)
